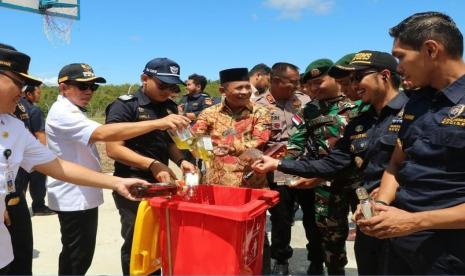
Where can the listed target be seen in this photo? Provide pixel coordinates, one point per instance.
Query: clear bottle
(366, 203)
(191, 181)
(183, 138)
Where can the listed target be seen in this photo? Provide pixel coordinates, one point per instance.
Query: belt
(13, 201)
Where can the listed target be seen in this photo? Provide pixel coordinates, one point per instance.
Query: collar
(62, 98)
(398, 101)
(196, 95)
(142, 99)
(456, 90)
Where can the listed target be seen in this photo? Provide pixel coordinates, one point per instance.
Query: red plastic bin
(220, 231)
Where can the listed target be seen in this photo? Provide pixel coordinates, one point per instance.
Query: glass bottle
(152, 190)
(366, 204)
(183, 138)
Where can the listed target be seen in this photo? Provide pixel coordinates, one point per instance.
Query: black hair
(260, 68)
(198, 80)
(279, 69)
(395, 79)
(29, 88)
(417, 28)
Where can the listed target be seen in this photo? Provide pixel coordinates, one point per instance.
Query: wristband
(381, 202)
(180, 161)
(151, 164)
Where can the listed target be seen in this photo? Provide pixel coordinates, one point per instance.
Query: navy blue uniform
(432, 177)
(368, 143)
(155, 144)
(195, 103)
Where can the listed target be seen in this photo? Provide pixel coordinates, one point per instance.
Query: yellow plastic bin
(145, 252)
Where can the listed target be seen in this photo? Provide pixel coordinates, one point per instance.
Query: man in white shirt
(72, 136)
(18, 148)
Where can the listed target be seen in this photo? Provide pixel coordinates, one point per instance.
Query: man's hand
(173, 121)
(191, 116)
(187, 166)
(390, 222)
(161, 172)
(123, 184)
(306, 183)
(6, 218)
(265, 164)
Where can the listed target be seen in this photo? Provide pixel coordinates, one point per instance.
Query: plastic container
(145, 251)
(220, 231)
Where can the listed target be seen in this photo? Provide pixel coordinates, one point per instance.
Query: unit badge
(456, 111)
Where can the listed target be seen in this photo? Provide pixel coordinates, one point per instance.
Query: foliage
(107, 94)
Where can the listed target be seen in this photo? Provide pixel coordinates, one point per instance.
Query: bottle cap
(362, 193)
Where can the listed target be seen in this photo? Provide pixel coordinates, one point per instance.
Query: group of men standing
(345, 125)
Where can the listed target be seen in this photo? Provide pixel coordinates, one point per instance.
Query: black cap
(234, 74)
(373, 59)
(78, 72)
(164, 69)
(17, 62)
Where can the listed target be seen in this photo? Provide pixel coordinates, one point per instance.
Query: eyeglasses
(83, 86)
(17, 81)
(358, 76)
(166, 86)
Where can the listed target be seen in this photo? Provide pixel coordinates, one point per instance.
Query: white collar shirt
(26, 152)
(68, 134)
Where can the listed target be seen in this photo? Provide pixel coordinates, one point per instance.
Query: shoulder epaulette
(126, 97)
(205, 94)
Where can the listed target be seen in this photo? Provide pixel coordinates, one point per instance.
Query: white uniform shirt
(26, 152)
(68, 133)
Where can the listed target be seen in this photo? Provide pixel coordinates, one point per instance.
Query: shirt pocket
(388, 141)
(448, 147)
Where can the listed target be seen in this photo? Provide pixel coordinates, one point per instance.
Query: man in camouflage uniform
(325, 119)
(284, 103)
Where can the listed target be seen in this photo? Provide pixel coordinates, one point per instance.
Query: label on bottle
(207, 143)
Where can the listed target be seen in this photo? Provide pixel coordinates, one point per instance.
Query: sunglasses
(166, 86)
(83, 86)
(358, 76)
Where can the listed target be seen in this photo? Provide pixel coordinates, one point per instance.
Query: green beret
(317, 68)
(342, 68)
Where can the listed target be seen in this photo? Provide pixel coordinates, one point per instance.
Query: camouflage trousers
(331, 211)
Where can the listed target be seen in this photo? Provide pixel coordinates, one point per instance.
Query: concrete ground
(47, 244)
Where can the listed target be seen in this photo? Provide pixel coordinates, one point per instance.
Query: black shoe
(42, 211)
(280, 268)
(336, 271)
(315, 269)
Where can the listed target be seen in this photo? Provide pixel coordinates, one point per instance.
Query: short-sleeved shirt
(368, 141)
(433, 139)
(26, 152)
(247, 129)
(195, 103)
(155, 144)
(36, 118)
(68, 133)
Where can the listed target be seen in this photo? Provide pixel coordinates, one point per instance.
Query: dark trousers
(370, 254)
(5, 270)
(282, 216)
(439, 252)
(128, 212)
(21, 235)
(78, 235)
(37, 187)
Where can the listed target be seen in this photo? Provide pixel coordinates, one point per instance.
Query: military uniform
(431, 177)
(284, 123)
(155, 144)
(368, 142)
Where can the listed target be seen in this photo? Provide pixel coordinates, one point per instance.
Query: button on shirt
(26, 152)
(433, 139)
(68, 133)
(368, 142)
(155, 144)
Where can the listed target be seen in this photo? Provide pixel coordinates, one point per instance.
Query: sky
(117, 38)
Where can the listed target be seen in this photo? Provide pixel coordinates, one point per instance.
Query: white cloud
(293, 8)
(53, 81)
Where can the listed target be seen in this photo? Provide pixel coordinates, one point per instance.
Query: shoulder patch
(126, 97)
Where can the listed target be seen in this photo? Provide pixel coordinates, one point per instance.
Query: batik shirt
(247, 129)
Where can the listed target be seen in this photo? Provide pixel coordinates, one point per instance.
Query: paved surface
(47, 244)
